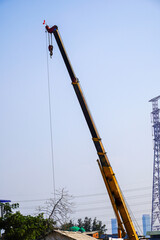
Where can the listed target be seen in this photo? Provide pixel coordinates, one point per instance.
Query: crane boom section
(113, 188)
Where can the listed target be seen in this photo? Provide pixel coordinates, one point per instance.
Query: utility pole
(155, 219)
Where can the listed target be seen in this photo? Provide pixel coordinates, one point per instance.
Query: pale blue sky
(114, 47)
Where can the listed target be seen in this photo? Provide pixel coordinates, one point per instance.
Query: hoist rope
(137, 226)
(50, 117)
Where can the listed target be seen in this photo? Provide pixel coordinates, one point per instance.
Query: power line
(103, 201)
(76, 196)
(98, 208)
(104, 193)
(33, 200)
(108, 207)
(93, 195)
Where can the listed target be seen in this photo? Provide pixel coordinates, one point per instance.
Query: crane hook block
(50, 48)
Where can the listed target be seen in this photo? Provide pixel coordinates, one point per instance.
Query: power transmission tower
(155, 219)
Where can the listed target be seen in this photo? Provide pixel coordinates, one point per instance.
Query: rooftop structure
(67, 235)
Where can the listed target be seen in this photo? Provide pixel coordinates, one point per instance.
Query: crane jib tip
(52, 29)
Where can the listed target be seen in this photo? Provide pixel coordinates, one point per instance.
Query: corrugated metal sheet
(75, 235)
(67, 235)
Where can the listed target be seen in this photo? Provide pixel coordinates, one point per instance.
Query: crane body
(123, 217)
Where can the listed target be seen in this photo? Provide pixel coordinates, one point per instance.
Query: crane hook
(50, 45)
(50, 48)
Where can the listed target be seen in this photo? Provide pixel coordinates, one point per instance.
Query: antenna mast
(155, 222)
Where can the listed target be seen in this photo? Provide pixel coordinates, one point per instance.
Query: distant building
(114, 226)
(146, 221)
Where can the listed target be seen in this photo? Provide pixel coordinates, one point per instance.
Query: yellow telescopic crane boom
(115, 194)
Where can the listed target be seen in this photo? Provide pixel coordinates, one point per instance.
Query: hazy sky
(114, 48)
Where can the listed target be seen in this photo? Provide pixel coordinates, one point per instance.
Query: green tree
(18, 227)
(98, 226)
(67, 226)
(80, 223)
(59, 208)
(88, 224)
